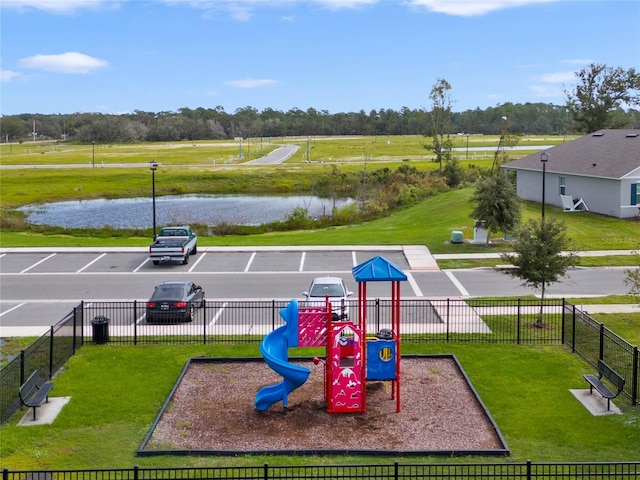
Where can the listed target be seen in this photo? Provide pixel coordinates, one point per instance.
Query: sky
(120, 56)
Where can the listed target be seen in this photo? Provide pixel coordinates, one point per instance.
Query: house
(602, 169)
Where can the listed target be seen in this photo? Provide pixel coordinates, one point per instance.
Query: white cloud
(552, 85)
(244, 10)
(578, 61)
(558, 77)
(340, 4)
(252, 82)
(8, 75)
(242, 13)
(59, 6)
(69, 62)
(546, 91)
(470, 8)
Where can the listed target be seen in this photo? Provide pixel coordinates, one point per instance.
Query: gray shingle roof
(605, 154)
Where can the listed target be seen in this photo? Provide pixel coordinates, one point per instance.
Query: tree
(12, 129)
(440, 118)
(453, 173)
(507, 140)
(538, 256)
(632, 278)
(601, 91)
(497, 204)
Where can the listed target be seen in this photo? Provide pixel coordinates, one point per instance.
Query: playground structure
(352, 358)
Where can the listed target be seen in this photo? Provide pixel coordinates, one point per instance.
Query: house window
(563, 186)
(635, 194)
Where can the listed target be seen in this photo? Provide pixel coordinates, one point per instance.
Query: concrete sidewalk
(587, 253)
(609, 308)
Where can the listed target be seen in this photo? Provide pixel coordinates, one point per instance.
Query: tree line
(215, 123)
(596, 102)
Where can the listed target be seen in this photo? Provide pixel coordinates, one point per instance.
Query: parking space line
(90, 263)
(414, 285)
(219, 312)
(302, 257)
(246, 268)
(38, 263)
(354, 259)
(12, 309)
(141, 265)
(197, 261)
(456, 282)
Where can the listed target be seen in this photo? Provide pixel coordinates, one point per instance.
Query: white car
(335, 289)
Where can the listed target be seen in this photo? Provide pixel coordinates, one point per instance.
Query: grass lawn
(218, 152)
(117, 391)
(625, 325)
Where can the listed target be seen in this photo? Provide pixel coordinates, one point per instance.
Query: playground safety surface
(211, 411)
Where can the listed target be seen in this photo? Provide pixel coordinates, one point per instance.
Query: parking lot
(38, 287)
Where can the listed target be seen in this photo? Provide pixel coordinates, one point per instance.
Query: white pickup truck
(173, 244)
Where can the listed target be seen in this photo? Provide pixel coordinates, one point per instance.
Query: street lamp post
(93, 154)
(153, 166)
(544, 157)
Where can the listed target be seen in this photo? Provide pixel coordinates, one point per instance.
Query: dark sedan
(174, 302)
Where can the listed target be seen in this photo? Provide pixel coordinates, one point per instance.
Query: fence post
(82, 322)
(5, 473)
(528, 469)
(573, 330)
(51, 352)
(377, 314)
(135, 322)
(396, 470)
(634, 376)
(447, 320)
(265, 471)
(273, 314)
(562, 321)
(519, 321)
(75, 327)
(204, 321)
(22, 379)
(136, 470)
(601, 353)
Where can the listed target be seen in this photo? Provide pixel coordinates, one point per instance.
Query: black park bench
(608, 373)
(32, 394)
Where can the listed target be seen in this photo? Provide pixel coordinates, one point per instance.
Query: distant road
(279, 155)
(493, 149)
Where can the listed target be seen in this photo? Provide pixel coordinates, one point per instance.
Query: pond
(176, 210)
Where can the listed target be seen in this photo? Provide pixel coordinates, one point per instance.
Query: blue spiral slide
(275, 351)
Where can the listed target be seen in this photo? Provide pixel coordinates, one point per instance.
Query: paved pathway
(279, 155)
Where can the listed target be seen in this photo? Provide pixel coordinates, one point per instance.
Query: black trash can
(100, 330)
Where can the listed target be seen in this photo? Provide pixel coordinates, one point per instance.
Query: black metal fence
(47, 355)
(235, 322)
(232, 322)
(593, 341)
(393, 471)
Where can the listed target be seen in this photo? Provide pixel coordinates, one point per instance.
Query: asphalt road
(279, 155)
(38, 288)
